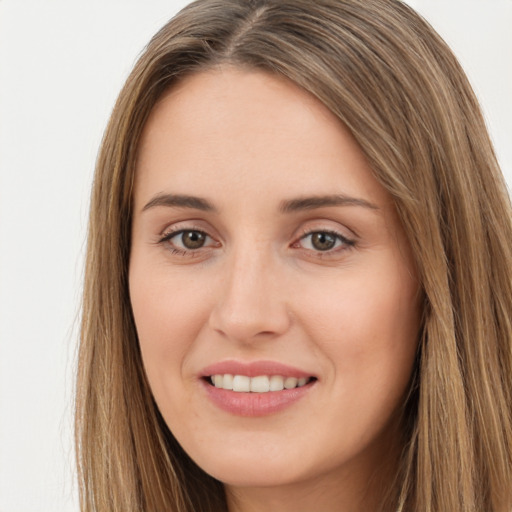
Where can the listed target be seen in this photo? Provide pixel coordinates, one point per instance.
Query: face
(273, 289)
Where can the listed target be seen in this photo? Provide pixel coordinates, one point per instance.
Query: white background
(62, 63)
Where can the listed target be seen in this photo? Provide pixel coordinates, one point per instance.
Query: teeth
(241, 383)
(276, 383)
(290, 382)
(227, 381)
(259, 384)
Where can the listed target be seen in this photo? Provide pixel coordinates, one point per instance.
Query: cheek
(169, 311)
(367, 324)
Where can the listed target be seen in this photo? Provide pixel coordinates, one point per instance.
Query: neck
(322, 496)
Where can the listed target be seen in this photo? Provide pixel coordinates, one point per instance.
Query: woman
(298, 284)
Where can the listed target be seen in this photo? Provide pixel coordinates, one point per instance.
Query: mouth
(256, 388)
(257, 384)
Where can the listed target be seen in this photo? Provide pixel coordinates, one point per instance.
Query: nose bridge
(251, 302)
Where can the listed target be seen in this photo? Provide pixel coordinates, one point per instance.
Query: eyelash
(346, 243)
(168, 236)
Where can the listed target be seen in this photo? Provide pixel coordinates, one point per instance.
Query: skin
(259, 289)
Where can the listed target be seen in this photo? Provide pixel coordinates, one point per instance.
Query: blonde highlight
(398, 88)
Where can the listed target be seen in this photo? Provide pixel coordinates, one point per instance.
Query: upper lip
(253, 369)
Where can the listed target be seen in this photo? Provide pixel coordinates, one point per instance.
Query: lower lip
(255, 404)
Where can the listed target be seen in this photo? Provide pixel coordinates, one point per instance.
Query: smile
(258, 384)
(257, 388)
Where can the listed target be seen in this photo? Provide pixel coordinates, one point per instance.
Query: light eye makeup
(324, 243)
(188, 241)
(193, 241)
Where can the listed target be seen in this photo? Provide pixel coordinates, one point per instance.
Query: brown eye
(193, 239)
(189, 242)
(322, 241)
(325, 241)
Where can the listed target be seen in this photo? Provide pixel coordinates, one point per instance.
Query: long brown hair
(395, 84)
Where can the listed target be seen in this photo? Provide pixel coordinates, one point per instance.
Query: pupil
(323, 241)
(193, 239)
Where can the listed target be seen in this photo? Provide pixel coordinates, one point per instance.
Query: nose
(252, 301)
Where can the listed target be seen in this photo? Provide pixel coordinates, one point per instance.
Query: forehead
(251, 129)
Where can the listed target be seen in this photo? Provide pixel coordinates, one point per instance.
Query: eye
(191, 239)
(186, 240)
(324, 241)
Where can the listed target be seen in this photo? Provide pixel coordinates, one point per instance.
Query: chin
(255, 474)
(265, 464)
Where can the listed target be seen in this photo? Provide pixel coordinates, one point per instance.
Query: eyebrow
(313, 202)
(180, 201)
(287, 206)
